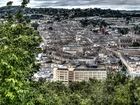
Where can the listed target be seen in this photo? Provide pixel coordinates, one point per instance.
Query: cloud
(15, 2)
(113, 4)
(89, 2)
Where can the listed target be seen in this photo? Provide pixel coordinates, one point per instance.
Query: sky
(104, 4)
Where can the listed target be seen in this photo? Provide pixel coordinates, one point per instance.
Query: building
(112, 63)
(127, 41)
(73, 46)
(69, 74)
(132, 63)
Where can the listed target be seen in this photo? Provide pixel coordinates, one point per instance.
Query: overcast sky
(112, 4)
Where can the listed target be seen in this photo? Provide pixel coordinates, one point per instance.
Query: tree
(35, 25)
(122, 95)
(136, 44)
(18, 43)
(50, 28)
(123, 30)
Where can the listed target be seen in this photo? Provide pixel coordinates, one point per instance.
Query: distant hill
(72, 13)
(130, 12)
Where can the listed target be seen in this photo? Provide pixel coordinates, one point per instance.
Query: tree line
(70, 13)
(117, 89)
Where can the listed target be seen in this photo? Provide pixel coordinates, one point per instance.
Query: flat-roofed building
(81, 74)
(76, 47)
(70, 74)
(132, 63)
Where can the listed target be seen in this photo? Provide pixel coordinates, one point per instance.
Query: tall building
(70, 74)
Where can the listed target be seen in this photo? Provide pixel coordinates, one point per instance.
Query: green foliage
(18, 43)
(123, 30)
(86, 22)
(35, 25)
(136, 44)
(36, 16)
(117, 89)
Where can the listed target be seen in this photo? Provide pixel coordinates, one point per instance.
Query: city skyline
(105, 4)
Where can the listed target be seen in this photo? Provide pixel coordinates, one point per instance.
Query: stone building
(70, 74)
(124, 42)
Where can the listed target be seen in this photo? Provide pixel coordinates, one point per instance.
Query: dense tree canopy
(85, 22)
(35, 25)
(136, 44)
(123, 31)
(117, 89)
(18, 43)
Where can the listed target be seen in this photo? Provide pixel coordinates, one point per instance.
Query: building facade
(70, 74)
(127, 41)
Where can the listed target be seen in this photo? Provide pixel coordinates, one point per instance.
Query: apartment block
(70, 74)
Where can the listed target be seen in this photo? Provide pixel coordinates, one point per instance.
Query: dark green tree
(123, 31)
(136, 44)
(18, 43)
(35, 25)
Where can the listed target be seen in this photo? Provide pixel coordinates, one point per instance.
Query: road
(129, 69)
